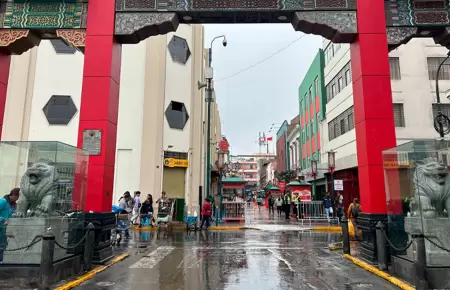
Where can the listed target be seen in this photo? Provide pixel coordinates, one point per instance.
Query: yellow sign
(395, 164)
(172, 162)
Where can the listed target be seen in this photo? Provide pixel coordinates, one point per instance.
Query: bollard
(345, 236)
(89, 247)
(420, 262)
(381, 247)
(47, 253)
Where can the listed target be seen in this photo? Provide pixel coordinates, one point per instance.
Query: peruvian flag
(269, 138)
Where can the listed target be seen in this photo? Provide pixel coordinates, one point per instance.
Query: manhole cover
(358, 285)
(105, 284)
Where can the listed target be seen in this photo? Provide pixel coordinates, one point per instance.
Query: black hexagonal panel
(62, 48)
(59, 110)
(179, 49)
(177, 115)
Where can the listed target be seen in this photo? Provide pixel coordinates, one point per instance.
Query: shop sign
(304, 195)
(338, 185)
(173, 162)
(388, 164)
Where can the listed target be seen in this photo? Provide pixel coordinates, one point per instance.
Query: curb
(183, 228)
(327, 229)
(393, 280)
(89, 275)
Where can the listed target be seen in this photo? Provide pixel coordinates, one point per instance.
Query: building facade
(413, 69)
(161, 117)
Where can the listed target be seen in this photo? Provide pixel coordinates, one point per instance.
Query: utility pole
(209, 99)
(208, 121)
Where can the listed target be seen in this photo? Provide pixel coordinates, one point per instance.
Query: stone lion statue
(37, 187)
(432, 189)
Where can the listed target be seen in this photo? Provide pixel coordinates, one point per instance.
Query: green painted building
(312, 103)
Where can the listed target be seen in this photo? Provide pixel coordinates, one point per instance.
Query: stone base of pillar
(367, 224)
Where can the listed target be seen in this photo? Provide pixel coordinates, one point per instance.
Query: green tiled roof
(298, 183)
(234, 179)
(275, 188)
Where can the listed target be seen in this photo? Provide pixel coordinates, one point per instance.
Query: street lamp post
(209, 100)
(221, 164)
(441, 120)
(314, 174)
(331, 167)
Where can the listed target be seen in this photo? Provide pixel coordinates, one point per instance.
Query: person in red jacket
(206, 213)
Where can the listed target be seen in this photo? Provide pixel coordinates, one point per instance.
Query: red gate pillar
(100, 101)
(5, 61)
(374, 115)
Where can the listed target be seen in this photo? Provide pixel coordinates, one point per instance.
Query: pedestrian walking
(339, 207)
(287, 205)
(125, 204)
(136, 207)
(7, 208)
(352, 213)
(271, 204)
(328, 205)
(279, 204)
(206, 214)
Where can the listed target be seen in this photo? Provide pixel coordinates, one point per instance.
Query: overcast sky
(251, 101)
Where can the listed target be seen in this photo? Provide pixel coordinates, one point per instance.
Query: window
(341, 124)
(316, 86)
(62, 48)
(306, 101)
(433, 65)
(399, 115)
(310, 95)
(176, 115)
(338, 80)
(348, 77)
(351, 121)
(445, 109)
(340, 84)
(394, 64)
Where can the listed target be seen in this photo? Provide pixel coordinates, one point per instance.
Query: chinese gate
(99, 27)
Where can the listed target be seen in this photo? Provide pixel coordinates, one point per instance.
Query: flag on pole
(269, 138)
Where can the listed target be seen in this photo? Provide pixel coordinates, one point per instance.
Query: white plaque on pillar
(92, 141)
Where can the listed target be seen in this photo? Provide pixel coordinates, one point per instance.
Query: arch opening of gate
(99, 27)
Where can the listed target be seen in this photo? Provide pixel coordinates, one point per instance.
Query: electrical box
(209, 73)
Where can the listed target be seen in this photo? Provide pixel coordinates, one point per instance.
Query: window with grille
(341, 124)
(394, 65)
(399, 115)
(433, 65)
(339, 82)
(445, 109)
(351, 121)
(348, 77)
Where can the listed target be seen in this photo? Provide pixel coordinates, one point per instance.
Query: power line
(263, 60)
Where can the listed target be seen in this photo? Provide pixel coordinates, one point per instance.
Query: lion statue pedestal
(430, 210)
(21, 232)
(437, 230)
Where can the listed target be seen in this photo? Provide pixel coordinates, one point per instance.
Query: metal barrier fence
(311, 211)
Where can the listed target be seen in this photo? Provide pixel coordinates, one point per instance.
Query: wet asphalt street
(281, 256)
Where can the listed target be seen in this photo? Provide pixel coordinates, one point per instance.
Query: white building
(161, 110)
(413, 73)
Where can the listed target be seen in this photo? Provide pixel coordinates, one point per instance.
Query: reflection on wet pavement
(234, 260)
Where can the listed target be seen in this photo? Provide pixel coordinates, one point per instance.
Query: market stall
(300, 192)
(233, 199)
